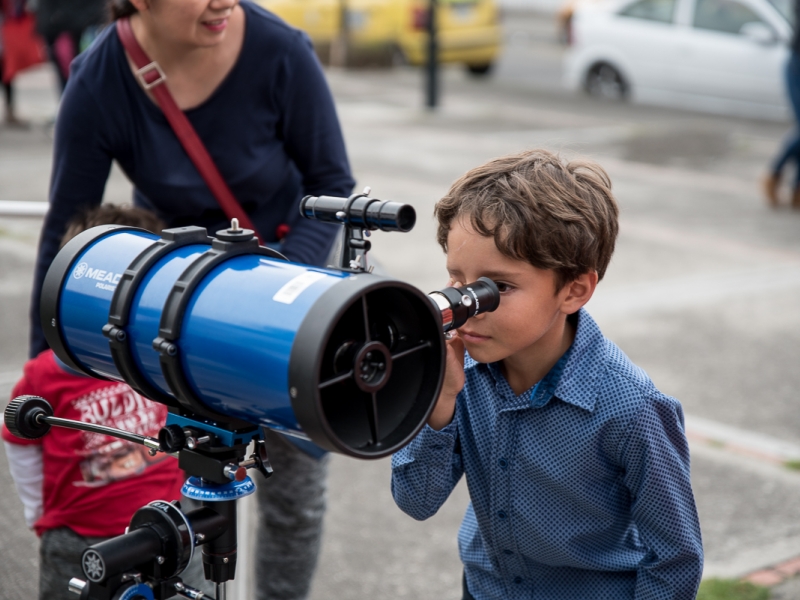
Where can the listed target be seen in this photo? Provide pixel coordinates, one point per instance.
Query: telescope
(233, 338)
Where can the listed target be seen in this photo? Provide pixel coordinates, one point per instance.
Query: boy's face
(529, 323)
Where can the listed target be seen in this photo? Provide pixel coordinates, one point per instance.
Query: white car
(722, 56)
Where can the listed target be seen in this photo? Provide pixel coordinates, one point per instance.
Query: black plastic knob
(171, 438)
(21, 417)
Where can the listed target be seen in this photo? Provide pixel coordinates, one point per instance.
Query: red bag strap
(152, 77)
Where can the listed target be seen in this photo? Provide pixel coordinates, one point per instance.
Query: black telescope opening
(406, 218)
(376, 372)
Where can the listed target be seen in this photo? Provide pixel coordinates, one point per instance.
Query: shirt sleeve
(313, 140)
(656, 460)
(425, 472)
(25, 465)
(81, 164)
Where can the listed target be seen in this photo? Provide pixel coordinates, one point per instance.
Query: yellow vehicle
(394, 30)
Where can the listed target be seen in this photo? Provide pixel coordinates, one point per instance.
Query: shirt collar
(574, 379)
(576, 376)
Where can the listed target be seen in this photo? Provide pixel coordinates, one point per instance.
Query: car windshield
(651, 10)
(785, 8)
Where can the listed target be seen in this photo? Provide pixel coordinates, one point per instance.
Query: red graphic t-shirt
(94, 483)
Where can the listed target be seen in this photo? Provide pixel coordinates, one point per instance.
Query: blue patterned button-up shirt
(579, 487)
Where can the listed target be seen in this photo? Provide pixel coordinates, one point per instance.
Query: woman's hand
(445, 407)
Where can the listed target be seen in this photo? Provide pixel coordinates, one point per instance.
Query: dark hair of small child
(111, 213)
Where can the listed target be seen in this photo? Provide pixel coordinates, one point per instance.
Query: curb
(772, 576)
(745, 443)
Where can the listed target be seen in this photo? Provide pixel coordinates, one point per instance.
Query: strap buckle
(153, 66)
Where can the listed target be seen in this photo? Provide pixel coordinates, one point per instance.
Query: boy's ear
(578, 292)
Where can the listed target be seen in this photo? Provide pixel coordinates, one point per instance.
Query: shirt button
(517, 579)
(509, 552)
(502, 514)
(503, 463)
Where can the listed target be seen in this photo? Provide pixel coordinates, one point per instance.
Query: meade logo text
(106, 280)
(84, 270)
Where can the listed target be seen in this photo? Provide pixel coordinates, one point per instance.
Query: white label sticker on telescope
(291, 290)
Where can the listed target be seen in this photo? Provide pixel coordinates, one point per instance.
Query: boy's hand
(453, 381)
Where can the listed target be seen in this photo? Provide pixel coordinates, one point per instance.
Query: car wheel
(604, 81)
(479, 70)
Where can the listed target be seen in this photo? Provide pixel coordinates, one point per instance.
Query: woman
(254, 92)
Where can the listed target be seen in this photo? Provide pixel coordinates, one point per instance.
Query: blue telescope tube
(221, 331)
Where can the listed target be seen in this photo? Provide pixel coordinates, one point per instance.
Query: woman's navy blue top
(270, 127)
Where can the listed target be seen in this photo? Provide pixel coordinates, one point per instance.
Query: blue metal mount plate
(197, 489)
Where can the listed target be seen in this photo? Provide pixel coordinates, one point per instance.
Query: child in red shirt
(89, 482)
(79, 488)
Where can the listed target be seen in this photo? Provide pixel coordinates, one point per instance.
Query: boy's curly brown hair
(553, 214)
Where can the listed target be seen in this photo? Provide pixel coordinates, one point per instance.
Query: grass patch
(730, 589)
(794, 465)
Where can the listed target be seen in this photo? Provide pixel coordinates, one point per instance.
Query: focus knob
(21, 417)
(171, 438)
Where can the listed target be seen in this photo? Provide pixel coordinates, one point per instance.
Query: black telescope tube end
(114, 556)
(160, 541)
(487, 294)
(406, 218)
(458, 304)
(366, 366)
(391, 216)
(59, 270)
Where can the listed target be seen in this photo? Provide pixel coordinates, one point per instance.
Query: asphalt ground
(701, 293)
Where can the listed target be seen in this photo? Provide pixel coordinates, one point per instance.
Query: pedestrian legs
(291, 505)
(791, 148)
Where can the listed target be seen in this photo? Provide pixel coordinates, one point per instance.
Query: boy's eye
(502, 287)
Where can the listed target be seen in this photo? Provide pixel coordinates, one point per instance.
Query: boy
(79, 488)
(577, 466)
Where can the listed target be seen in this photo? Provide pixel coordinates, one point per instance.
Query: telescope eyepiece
(458, 304)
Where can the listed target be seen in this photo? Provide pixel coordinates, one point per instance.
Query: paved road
(701, 293)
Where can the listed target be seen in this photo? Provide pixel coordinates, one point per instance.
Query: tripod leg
(219, 555)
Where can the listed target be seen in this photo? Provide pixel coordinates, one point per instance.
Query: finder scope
(233, 336)
(361, 211)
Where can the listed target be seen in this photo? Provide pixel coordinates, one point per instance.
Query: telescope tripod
(145, 562)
